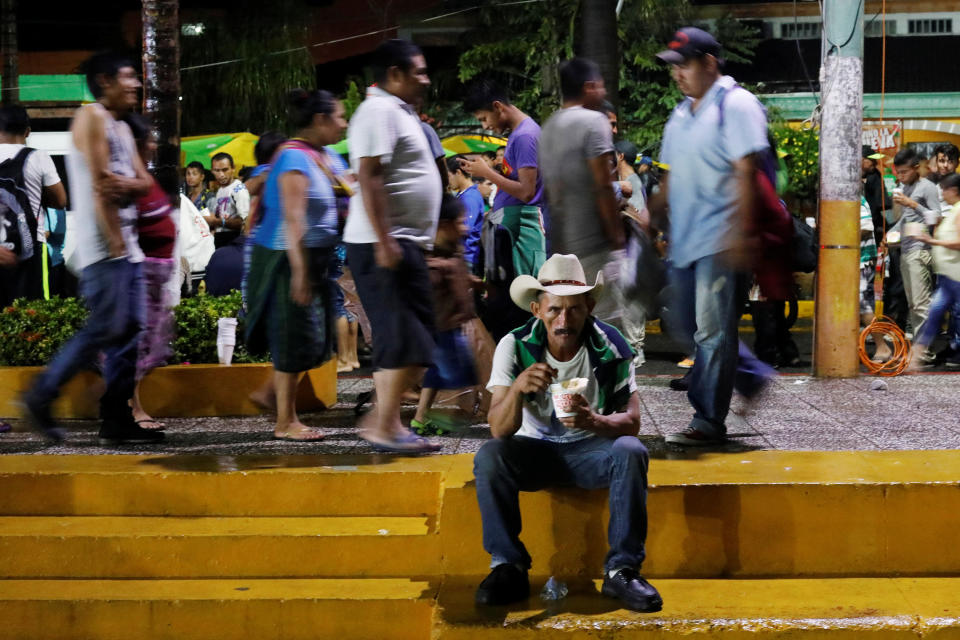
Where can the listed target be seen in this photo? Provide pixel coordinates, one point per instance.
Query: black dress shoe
(39, 419)
(629, 587)
(506, 584)
(681, 384)
(113, 431)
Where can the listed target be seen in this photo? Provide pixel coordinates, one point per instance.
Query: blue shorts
(453, 366)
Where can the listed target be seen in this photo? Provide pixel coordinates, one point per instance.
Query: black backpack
(18, 224)
(804, 247)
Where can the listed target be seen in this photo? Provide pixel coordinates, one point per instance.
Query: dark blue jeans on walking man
(945, 298)
(113, 292)
(704, 316)
(504, 467)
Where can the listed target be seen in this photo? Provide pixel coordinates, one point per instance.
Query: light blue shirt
(701, 153)
(321, 222)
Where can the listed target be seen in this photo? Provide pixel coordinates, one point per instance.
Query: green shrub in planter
(31, 331)
(196, 339)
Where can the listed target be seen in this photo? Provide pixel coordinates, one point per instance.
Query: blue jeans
(113, 291)
(708, 298)
(504, 467)
(945, 298)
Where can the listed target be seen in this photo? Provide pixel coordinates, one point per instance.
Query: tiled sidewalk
(796, 413)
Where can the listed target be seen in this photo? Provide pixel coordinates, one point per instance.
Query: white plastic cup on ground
(226, 339)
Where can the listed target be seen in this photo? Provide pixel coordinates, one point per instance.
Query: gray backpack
(18, 225)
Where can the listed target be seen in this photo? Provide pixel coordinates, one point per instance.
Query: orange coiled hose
(900, 359)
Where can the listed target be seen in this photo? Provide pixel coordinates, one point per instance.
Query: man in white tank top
(106, 176)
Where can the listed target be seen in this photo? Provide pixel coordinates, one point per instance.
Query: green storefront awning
(799, 106)
(54, 88)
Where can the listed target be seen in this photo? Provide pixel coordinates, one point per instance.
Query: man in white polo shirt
(392, 221)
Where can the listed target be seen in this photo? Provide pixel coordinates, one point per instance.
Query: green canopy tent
(202, 148)
(343, 149)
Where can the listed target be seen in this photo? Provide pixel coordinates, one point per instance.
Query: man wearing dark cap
(875, 193)
(651, 184)
(711, 204)
(873, 190)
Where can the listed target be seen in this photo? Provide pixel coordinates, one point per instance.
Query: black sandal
(364, 397)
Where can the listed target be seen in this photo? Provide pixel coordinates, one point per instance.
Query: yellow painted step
(753, 514)
(216, 547)
(795, 609)
(394, 609)
(259, 485)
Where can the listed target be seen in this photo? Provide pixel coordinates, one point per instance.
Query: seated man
(533, 449)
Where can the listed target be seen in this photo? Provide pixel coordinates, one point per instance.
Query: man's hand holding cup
(583, 416)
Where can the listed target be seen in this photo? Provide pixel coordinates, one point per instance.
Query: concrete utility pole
(600, 43)
(8, 49)
(161, 85)
(837, 321)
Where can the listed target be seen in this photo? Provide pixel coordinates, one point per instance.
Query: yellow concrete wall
(176, 391)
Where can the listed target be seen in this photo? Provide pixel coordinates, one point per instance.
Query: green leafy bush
(31, 332)
(196, 339)
(803, 160)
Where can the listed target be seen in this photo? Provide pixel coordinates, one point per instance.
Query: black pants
(24, 280)
(773, 344)
(398, 303)
(895, 304)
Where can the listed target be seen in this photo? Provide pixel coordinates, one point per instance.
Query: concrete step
(859, 608)
(217, 547)
(260, 485)
(395, 609)
(711, 514)
(749, 514)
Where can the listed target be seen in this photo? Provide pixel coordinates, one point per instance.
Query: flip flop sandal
(303, 435)
(409, 443)
(143, 425)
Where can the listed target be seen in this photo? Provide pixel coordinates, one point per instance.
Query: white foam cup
(226, 339)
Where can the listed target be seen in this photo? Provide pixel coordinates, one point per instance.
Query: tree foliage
(248, 95)
(523, 45)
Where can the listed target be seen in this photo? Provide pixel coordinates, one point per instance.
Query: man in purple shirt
(519, 184)
(514, 228)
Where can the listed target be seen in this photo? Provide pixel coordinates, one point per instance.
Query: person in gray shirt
(577, 165)
(919, 203)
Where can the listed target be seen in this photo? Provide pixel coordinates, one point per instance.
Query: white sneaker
(693, 438)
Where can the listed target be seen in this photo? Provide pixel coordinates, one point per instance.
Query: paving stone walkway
(795, 413)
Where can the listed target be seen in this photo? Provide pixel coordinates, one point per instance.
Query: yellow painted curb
(276, 609)
(176, 391)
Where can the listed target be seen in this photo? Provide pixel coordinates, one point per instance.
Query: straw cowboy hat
(561, 275)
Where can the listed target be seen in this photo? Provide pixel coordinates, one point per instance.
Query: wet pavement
(797, 412)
